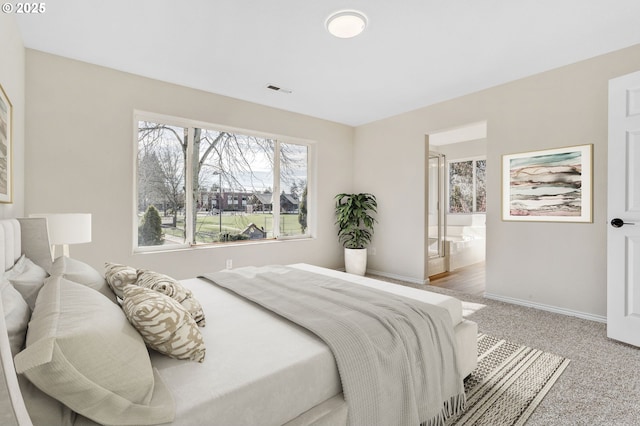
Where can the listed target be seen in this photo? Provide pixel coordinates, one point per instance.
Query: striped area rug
(508, 384)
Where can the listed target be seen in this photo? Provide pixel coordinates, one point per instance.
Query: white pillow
(27, 278)
(44, 410)
(82, 351)
(81, 273)
(16, 315)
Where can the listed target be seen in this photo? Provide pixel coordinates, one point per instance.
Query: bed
(259, 368)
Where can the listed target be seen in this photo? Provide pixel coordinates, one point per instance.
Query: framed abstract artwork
(6, 151)
(554, 185)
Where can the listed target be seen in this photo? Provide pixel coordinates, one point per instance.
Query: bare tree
(229, 155)
(173, 175)
(150, 180)
(161, 165)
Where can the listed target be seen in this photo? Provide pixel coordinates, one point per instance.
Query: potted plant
(355, 228)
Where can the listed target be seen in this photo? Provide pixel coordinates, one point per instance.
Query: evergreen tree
(302, 211)
(150, 231)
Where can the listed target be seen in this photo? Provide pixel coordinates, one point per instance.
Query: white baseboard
(541, 306)
(398, 277)
(549, 308)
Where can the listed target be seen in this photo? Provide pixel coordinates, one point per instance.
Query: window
(467, 187)
(199, 184)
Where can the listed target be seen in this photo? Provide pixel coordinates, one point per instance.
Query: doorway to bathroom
(456, 199)
(436, 222)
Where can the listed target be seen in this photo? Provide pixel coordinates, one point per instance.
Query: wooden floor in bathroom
(469, 279)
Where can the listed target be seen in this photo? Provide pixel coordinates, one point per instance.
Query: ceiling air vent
(278, 89)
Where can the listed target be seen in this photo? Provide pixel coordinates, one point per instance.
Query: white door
(623, 235)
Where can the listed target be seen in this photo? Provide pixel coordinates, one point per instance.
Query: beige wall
(558, 265)
(12, 79)
(463, 150)
(80, 159)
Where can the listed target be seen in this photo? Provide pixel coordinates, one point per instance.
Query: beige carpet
(601, 385)
(508, 384)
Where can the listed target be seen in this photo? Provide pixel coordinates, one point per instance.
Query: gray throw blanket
(395, 355)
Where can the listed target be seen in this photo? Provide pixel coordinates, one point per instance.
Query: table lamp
(65, 229)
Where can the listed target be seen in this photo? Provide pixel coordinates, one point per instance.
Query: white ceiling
(413, 53)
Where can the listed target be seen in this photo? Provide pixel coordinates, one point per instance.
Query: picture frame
(552, 185)
(6, 148)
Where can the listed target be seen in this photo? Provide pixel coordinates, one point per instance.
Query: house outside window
(467, 186)
(199, 184)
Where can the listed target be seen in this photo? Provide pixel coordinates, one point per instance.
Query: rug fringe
(505, 368)
(451, 407)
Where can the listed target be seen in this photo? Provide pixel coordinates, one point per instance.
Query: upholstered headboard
(10, 243)
(24, 236)
(17, 237)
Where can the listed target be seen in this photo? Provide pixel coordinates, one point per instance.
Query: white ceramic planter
(355, 261)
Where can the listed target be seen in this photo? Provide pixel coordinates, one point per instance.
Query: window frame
(139, 115)
(473, 160)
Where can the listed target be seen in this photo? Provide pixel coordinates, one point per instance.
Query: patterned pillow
(172, 288)
(118, 276)
(163, 323)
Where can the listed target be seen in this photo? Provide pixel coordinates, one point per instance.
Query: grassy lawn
(208, 226)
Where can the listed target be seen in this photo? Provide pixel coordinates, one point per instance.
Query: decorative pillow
(81, 273)
(27, 278)
(172, 288)
(82, 351)
(163, 323)
(118, 276)
(16, 315)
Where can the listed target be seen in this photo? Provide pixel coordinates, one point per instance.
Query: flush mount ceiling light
(346, 23)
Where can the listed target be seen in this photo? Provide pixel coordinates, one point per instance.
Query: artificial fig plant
(354, 219)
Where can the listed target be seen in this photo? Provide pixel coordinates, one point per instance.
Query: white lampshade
(67, 228)
(346, 23)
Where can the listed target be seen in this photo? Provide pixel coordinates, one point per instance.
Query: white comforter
(260, 369)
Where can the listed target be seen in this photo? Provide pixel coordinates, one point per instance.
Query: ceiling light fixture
(346, 23)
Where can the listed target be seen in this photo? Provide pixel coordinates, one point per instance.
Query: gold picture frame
(6, 148)
(552, 185)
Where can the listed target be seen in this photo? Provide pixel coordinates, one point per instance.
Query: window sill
(216, 246)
